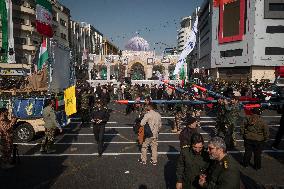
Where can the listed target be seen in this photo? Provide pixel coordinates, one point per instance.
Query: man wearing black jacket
(99, 118)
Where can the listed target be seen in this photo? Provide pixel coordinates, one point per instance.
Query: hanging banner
(188, 48)
(70, 100)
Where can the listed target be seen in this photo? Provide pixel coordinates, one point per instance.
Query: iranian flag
(44, 17)
(182, 76)
(43, 55)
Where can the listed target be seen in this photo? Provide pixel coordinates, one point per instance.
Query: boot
(42, 149)
(49, 149)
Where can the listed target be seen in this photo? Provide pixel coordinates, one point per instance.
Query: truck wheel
(24, 133)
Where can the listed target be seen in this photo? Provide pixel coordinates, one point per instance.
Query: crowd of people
(196, 166)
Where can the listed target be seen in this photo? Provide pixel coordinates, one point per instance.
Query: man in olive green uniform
(50, 125)
(225, 122)
(255, 132)
(191, 163)
(223, 172)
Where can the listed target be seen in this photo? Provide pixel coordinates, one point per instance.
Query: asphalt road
(76, 164)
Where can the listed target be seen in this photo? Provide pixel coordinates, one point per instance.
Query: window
(63, 36)
(274, 51)
(231, 53)
(276, 6)
(17, 20)
(232, 21)
(20, 41)
(62, 22)
(273, 9)
(275, 29)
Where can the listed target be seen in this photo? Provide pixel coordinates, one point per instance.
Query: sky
(157, 21)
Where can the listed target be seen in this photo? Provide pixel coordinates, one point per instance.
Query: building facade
(26, 39)
(109, 48)
(183, 32)
(241, 39)
(136, 64)
(60, 23)
(85, 39)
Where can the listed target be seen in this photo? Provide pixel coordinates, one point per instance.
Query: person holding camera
(6, 133)
(192, 162)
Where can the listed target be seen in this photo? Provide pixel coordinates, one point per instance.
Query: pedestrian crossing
(78, 140)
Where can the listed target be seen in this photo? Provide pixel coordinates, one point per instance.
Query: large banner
(61, 68)
(188, 48)
(70, 100)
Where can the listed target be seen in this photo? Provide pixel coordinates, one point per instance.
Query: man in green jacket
(191, 163)
(223, 172)
(50, 124)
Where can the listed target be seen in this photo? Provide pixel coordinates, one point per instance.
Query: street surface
(76, 164)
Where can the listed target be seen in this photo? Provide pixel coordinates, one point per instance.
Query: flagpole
(11, 53)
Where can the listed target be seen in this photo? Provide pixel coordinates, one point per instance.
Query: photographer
(6, 132)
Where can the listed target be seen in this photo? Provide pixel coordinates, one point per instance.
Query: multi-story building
(60, 24)
(109, 48)
(183, 32)
(85, 38)
(26, 39)
(241, 39)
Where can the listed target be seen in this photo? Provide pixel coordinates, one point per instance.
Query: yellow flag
(70, 100)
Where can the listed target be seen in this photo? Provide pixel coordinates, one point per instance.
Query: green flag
(43, 54)
(182, 75)
(4, 20)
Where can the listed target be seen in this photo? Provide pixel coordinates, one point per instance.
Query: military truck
(29, 114)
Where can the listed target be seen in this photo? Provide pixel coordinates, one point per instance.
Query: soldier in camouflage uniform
(235, 115)
(220, 112)
(225, 122)
(178, 119)
(50, 124)
(85, 108)
(6, 135)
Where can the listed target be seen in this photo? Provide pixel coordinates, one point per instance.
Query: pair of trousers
(99, 131)
(255, 147)
(153, 142)
(48, 139)
(6, 147)
(279, 134)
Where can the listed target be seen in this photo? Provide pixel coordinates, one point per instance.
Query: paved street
(76, 164)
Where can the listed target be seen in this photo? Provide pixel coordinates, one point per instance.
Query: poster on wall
(150, 61)
(125, 61)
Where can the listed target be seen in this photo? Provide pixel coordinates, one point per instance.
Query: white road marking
(124, 142)
(129, 153)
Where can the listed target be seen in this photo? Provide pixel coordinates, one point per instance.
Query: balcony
(25, 47)
(24, 9)
(24, 27)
